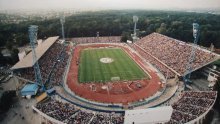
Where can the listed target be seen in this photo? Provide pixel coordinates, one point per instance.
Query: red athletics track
(119, 92)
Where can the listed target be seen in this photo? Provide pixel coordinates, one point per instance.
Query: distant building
(29, 90)
(21, 55)
(6, 53)
(211, 73)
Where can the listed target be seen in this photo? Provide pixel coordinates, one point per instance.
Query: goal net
(115, 78)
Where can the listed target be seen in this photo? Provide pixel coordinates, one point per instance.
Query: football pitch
(108, 64)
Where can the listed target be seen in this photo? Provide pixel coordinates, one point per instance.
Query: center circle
(106, 60)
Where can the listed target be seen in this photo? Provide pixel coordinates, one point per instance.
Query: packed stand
(59, 69)
(49, 59)
(57, 110)
(191, 106)
(162, 68)
(5, 74)
(46, 63)
(71, 114)
(80, 118)
(5, 70)
(174, 53)
(110, 39)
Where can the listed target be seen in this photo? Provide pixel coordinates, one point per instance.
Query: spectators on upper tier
(174, 53)
(162, 68)
(47, 62)
(70, 114)
(192, 105)
(57, 73)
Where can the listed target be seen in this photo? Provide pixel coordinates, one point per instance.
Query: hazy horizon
(108, 4)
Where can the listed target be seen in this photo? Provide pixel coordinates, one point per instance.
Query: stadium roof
(40, 50)
(148, 116)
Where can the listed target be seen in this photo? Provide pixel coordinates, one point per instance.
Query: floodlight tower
(135, 20)
(33, 39)
(134, 36)
(97, 36)
(62, 21)
(192, 55)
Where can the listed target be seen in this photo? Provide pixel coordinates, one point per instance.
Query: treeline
(108, 23)
(6, 101)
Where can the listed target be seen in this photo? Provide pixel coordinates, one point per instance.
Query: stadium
(102, 80)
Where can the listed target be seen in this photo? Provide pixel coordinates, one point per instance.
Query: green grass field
(91, 69)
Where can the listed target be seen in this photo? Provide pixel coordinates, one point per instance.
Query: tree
(21, 39)
(6, 100)
(162, 29)
(125, 36)
(2, 42)
(178, 25)
(14, 55)
(217, 88)
(2, 59)
(9, 45)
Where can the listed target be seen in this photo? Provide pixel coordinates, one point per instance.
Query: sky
(108, 4)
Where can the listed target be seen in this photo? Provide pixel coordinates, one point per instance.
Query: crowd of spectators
(49, 59)
(5, 70)
(157, 49)
(110, 39)
(59, 69)
(57, 110)
(162, 68)
(47, 62)
(71, 114)
(80, 118)
(174, 53)
(191, 105)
